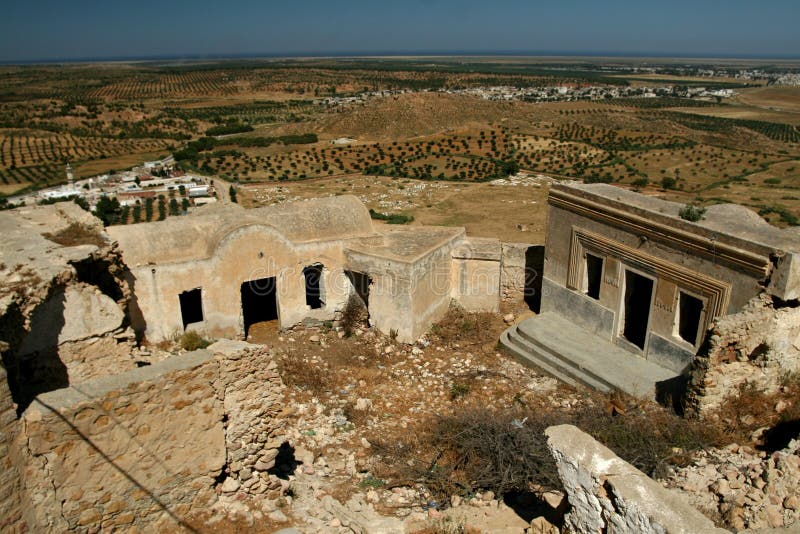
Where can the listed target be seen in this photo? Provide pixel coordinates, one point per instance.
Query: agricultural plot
(785, 133)
(22, 149)
(487, 155)
(169, 85)
(37, 158)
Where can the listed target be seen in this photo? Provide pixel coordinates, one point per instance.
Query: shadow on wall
(32, 362)
(98, 273)
(135, 315)
(153, 497)
(534, 267)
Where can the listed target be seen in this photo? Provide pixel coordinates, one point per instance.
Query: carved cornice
(715, 291)
(753, 264)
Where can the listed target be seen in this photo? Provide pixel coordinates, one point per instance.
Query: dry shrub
(461, 326)
(191, 340)
(448, 525)
(475, 449)
(353, 315)
(749, 409)
(76, 234)
(359, 418)
(303, 375)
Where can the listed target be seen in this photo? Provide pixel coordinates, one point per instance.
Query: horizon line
(396, 54)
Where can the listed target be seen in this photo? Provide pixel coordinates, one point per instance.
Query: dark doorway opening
(534, 267)
(259, 302)
(689, 310)
(313, 277)
(594, 276)
(360, 283)
(638, 295)
(191, 306)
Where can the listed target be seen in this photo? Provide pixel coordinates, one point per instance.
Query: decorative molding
(748, 262)
(716, 292)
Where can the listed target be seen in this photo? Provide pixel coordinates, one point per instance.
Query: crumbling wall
(521, 266)
(57, 304)
(147, 447)
(607, 494)
(10, 511)
(758, 345)
(252, 394)
(135, 449)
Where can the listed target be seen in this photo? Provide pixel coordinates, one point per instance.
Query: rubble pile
(744, 488)
(759, 345)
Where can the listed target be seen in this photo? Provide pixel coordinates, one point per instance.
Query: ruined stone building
(93, 434)
(224, 268)
(630, 289)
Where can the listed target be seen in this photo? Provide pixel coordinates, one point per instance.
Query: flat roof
(733, 220)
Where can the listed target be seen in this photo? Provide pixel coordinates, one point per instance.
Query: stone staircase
(565, 351)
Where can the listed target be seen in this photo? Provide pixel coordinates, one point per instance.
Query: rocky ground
(745, 488)
(347, 397)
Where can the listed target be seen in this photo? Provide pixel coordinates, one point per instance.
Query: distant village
(152, 181)
(560, 93)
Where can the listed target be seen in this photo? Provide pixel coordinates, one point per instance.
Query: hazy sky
(69, 29)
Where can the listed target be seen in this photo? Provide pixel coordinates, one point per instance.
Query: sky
(34, 30)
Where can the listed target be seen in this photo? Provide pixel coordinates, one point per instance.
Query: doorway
(636, 308)
(259, 302)
(313, 279)
(534, 267)
(191, 306)
(593, 276)
(360, 283)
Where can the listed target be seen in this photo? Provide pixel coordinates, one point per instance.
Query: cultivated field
(270, 128)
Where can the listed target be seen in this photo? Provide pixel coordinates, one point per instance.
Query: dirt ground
(510, 211)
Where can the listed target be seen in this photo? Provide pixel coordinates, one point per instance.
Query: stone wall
(476, 275)
(252, 394)
(147, 447)
(607, 494)
(759, 345)
(10, 512)
(521, 266)
(136, 449)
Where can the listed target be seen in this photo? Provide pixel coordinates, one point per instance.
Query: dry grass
(749, 410)
(474, 449)
(465, 328)
(77, 234)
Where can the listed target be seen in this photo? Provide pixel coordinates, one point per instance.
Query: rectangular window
(313, 278)
(690, 309)
(594, 276)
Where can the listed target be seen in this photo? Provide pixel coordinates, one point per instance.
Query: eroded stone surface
(608, 494)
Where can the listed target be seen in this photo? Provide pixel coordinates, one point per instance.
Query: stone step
(530, 354)
(578, 366)
(572, 354)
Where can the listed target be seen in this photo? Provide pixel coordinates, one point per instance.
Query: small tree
(174, 209)
(667, 182)
(148, 209)
(108, 210)
(692, 213)
(162, 208)
(232, 194)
